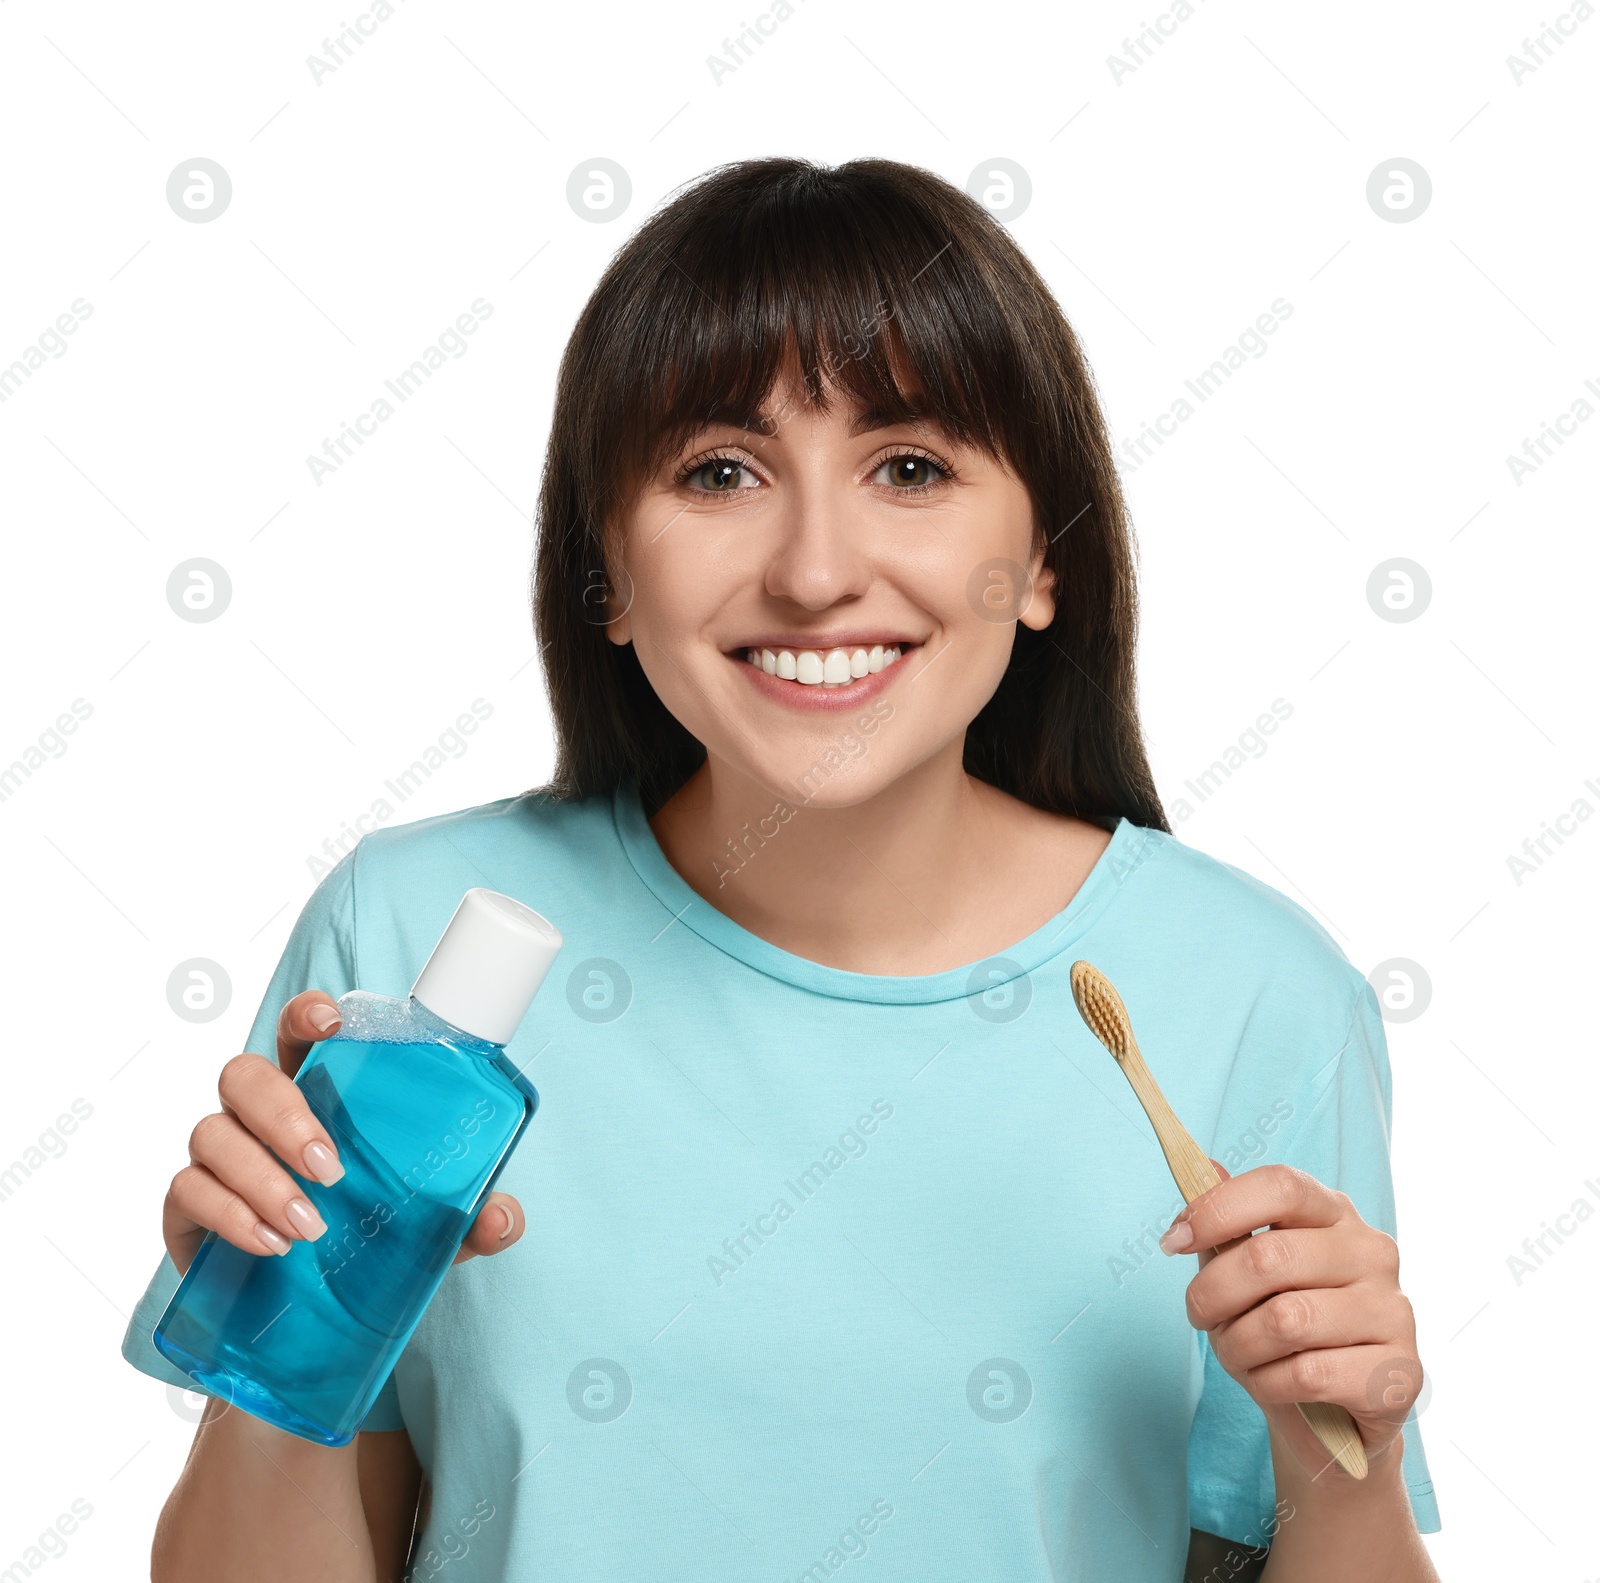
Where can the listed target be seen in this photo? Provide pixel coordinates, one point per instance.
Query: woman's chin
(820, 774)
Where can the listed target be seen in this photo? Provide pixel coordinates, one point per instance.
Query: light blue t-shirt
(821, 1264)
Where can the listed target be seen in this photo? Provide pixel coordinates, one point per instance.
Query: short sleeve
(320, 954)
(1340, 1135)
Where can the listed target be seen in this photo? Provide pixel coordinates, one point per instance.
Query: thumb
(500, 1223)
(1208, 1254)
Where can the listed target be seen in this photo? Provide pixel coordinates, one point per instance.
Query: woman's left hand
(1309, 1310)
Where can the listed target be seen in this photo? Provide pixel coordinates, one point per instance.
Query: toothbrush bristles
(1101, 1007)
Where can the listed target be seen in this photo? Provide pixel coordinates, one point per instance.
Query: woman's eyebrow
(917, 414)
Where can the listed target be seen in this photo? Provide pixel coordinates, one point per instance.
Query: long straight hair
(858, 270)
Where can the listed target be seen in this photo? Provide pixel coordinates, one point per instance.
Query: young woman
(836, 1232)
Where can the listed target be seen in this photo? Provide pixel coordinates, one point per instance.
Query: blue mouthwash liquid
(424, 1116)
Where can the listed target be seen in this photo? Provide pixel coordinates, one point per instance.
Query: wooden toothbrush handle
(1337, 1431)
(1194, 1173)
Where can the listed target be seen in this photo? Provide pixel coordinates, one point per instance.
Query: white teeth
(823, 668)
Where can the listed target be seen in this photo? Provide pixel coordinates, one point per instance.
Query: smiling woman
(885, 289)
(835, 598)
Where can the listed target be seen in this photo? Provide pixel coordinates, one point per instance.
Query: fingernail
(1178, 1236)
(273, 1238)
(322, 1163)
(322, 1017)
(511, 1222)
(306, 1220)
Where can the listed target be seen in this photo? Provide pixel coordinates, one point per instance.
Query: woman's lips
(824, 697)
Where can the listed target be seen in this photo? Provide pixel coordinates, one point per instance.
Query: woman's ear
(616, 586)
(1040, 610)
(619, 627)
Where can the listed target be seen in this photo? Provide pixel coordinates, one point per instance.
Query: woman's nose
(819, 555)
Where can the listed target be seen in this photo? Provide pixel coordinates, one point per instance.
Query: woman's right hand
(236, 1183)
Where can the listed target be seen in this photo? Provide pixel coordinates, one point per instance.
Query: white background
(1168, 210)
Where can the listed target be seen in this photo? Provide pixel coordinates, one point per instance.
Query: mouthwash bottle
(424, 1107)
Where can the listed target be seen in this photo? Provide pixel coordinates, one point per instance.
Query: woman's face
(827, 538)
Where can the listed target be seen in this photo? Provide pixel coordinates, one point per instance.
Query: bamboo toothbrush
(1101, 1007)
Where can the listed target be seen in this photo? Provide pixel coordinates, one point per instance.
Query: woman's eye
(910, 473)
(720, 476)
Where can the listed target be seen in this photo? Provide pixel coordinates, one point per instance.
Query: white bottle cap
(488, 965)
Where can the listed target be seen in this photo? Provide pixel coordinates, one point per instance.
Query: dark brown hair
(857, 271)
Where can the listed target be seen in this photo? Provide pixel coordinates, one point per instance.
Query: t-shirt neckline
(1127, 849)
